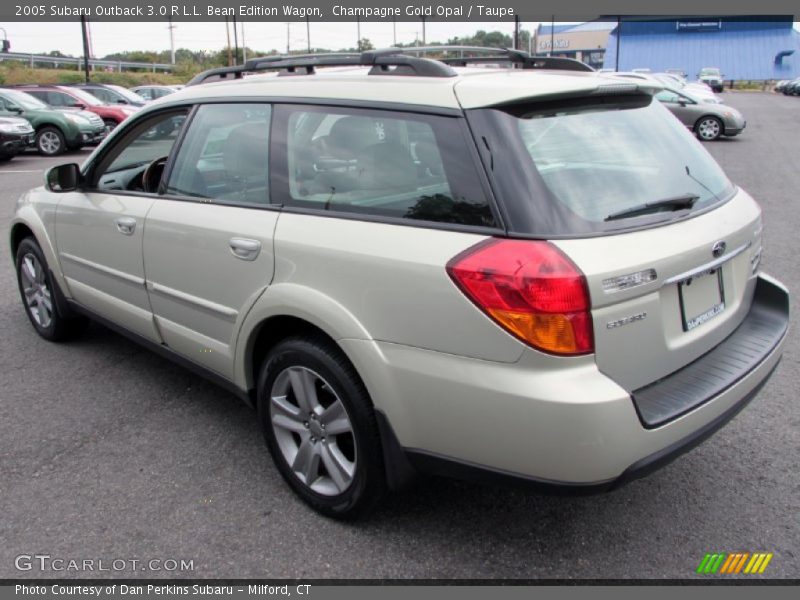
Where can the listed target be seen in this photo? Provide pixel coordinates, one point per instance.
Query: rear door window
(382, 163)
(225, 155)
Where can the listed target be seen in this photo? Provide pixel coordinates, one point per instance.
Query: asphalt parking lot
(108, 451)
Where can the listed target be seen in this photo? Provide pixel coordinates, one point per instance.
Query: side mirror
(63, 178)
(80, 105)
(121, 101)
(682, 102)
(14, 108)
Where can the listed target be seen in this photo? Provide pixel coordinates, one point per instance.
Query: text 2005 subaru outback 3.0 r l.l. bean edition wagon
(531, 274)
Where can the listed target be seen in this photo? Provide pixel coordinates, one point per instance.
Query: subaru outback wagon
(530, 274)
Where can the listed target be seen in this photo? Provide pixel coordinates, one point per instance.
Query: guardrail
(117, 65)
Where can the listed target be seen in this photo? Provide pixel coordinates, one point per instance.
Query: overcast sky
(110, 37)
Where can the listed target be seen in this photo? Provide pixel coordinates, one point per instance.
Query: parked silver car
(407, 267)
(708, 120)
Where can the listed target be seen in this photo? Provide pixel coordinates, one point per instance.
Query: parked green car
(56, 131)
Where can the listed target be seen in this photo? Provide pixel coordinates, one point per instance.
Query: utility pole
(516, 32)
(235, 42)
(358, 33)
(244, 45)
(552, 34)
(228, 35)
(394, 31)
(424, 39)
(288, 33)
(85, 48)
(171, 28)
(619, 35)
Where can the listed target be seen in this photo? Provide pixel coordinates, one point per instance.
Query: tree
(364, 44)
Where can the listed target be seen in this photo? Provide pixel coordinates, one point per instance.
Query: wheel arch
(28, 223)
(289, 309)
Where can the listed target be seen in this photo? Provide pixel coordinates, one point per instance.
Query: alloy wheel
(313, 430)
(49, 143)
(38, 298)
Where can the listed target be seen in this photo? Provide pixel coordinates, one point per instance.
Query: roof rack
(521, 59)
(391, 61)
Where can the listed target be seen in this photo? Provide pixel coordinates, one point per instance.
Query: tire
(708, 128)
(6, 157)
(110, 124)
(38, 292)
(50, 141)
(341, 474)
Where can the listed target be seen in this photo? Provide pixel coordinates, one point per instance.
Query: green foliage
(492, 39)
(21, 75)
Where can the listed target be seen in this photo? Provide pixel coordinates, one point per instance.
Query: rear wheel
(37, 290)
(320, 428)
(110, 124)
(50, 141)
(708, 128)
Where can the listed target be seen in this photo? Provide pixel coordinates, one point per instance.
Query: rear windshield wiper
(674, 203)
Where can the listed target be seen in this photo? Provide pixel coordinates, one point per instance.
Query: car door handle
(126, 225)
(244, 248)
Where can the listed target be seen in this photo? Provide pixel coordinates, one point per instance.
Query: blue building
(744, 48)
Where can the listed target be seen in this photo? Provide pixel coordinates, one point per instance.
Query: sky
(111, 37)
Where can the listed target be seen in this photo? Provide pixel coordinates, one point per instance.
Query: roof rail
(488, 54)
(523, 59)
(391, 61)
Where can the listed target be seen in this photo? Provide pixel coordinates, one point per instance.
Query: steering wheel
(151, 176)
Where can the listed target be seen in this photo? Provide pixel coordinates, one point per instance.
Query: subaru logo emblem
(718, 249)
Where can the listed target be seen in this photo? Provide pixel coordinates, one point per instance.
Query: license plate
(701, 299)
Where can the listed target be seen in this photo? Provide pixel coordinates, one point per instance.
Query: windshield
(592, 158)
(24, 100)
(709, 72)
(86, 97)
(126, 93)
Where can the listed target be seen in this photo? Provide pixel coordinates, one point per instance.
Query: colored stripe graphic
(734, 563)
(765, 563)
(741, 562)
(727, 564)
(718, 562)
(702, 566)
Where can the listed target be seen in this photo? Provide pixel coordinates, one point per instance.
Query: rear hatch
(668, 245)
(663, 297)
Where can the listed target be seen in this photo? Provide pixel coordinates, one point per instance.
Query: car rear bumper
(562, 426)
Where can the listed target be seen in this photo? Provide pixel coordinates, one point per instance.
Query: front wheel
(320, 428)
(37, 289)
(708, 129)
(50, 141)
(110, 124)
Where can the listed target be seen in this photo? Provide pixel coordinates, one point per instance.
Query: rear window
(599, 165)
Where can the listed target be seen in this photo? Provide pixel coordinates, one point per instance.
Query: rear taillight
(531, 289)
